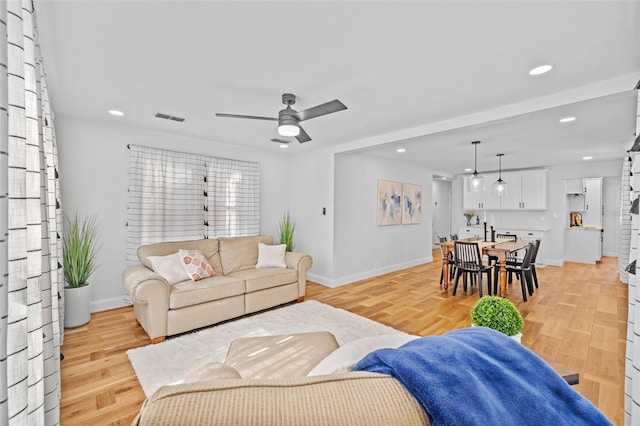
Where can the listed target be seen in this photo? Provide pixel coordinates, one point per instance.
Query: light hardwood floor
(577, 317)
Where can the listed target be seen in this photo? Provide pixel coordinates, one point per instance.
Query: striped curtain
(30, 273)
(166, 198)
(632, 363)
(175, 196)
(233, 198)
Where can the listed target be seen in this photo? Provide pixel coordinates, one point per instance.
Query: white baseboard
(111, 303)
(347, 279)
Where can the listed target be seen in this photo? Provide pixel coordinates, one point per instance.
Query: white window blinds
(176, 196)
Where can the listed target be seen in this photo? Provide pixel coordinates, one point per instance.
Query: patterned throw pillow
(195, 264)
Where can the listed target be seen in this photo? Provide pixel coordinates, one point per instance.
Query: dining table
(500, 248)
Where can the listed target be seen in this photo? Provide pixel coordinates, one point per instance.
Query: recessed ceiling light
(284, 145)
(116, 112)
(540, 70)
(401, 150)
(444, 178)
(567, 119)
(468, 170)
(587, 158)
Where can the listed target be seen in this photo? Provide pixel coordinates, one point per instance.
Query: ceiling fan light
(288, 130)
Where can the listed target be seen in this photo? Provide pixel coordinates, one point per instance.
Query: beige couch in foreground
(237, 287)
(263, 381)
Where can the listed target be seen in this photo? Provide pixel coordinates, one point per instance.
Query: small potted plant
(79, 255)
(286, 227)
(499, 314)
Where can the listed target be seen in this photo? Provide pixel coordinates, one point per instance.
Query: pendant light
(499, 186)
(476, 180)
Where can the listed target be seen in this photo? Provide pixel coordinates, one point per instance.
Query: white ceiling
(433, 75)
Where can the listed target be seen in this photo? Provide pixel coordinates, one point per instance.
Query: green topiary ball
(497, 313)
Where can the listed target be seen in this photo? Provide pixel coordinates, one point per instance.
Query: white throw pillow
(271, 256)
(347, 356)
(169, 267)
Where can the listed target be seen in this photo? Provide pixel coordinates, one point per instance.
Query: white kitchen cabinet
(592, 215)
(482, 199)
(527, 190)
(471, 231)
(574, 186)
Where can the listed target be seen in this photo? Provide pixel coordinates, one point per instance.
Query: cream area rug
(171, 361)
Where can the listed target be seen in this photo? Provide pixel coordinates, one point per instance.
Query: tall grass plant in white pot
(79, 255)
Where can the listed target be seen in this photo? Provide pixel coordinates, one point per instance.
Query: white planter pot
(77, 309)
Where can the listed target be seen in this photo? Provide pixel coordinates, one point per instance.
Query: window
(177, 196)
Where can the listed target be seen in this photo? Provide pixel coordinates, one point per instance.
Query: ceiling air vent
(169, 117)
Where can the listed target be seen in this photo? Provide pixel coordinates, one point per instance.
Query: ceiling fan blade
(279, 140)
(303, 136)
(252, 117)
(324, 109)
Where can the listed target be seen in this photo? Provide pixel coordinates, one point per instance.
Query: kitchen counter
(511, 228)
(584, 228)
(583, 246)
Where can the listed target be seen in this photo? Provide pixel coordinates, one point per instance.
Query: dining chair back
(454, 237)
(511, 257)
(533, 262)
(468, 261)
(523, 271)
(450, 261)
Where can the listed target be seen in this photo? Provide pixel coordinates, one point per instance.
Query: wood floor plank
(577, 318)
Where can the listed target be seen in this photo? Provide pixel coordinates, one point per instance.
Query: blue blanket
(478, 376)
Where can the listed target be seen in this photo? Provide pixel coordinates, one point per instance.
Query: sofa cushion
(169, 267)
(208, 247)
(195, 264)
(239, 253)
(271, 256)
(346, 357)
(189, 293)
(279, 356)
(212, 371)
(259, 279)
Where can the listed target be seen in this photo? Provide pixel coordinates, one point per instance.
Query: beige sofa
(237, 287)
(263, 381)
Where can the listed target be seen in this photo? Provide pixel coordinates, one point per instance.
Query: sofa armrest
(300, 262)
(150, 294)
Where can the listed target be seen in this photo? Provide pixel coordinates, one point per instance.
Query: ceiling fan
(289, 119)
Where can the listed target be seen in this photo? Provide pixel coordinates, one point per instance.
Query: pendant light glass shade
(476, 180)
(500, 186)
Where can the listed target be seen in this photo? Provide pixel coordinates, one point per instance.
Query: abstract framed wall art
(389, 202)
(411, 203)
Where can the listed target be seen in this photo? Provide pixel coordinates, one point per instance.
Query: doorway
(441, 217)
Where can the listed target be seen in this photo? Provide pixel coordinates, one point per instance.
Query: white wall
(312, 182)
(556, 203)
(94, 164)
(361, 249)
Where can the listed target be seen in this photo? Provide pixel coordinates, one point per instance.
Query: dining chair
(493, 260)
(450, 261)
(454, 237)
(522, 270)
(468, 261)
(533, 262)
